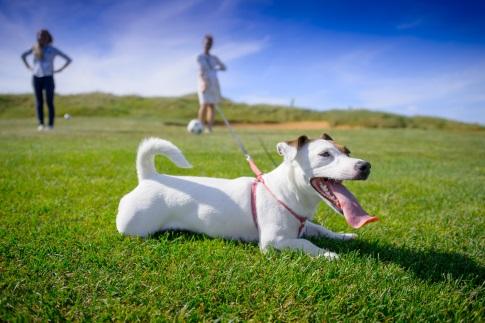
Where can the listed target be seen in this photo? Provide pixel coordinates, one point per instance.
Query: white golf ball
(67, 116)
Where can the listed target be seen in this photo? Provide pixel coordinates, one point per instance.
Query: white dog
(275, 213)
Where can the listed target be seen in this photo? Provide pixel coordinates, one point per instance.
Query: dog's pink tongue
(353, 212)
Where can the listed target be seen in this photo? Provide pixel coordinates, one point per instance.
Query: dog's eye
(325, 154)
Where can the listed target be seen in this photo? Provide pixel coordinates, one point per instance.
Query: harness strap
(259, 179)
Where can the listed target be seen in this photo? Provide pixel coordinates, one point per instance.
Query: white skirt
(212, 94)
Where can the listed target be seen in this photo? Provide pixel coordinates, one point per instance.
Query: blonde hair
(44, 38)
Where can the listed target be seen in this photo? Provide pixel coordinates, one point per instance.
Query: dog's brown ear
(299, 142)
(326, 136)
(289, 149)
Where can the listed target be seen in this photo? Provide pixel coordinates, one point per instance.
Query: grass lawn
(62, 258)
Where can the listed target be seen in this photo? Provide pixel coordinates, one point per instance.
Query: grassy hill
(177, 110)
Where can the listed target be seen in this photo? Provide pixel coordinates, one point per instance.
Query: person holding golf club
(43, 71)
(209, 90)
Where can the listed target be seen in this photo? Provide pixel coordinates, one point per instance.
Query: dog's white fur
(222, 207)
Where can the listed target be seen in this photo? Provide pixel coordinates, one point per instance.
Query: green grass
(177, 110)
(61, 257)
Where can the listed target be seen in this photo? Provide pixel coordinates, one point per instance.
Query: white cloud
(263, 99)
(235, 50)
(432, 94)
(419, 81)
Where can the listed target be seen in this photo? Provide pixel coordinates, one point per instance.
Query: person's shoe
(40, 127)
(207, 130)
(49, 128)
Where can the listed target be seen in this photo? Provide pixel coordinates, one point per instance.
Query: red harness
(259, 179)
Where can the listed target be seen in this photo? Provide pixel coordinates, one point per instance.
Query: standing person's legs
(202, 112)
(37, 83)
(49, 94)
(210, 116)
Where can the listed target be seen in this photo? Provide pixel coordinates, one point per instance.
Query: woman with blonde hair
(209, 91)
(43, 71)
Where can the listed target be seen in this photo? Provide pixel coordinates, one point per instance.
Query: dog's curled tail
(145, 158)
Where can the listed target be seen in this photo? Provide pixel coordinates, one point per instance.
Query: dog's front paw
(329, 255)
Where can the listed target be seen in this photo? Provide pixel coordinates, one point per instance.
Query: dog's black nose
(362, 166)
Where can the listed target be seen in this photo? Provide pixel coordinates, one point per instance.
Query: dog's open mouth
(342, 201)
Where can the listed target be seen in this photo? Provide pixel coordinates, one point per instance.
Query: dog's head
(323, 165)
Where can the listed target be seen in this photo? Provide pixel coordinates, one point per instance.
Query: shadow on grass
(435, 266)
(177, 235)
(429, 265)
(182, 235)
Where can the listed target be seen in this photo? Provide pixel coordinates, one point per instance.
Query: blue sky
(408, 57)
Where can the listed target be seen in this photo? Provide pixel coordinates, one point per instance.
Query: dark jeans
(42, 84)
